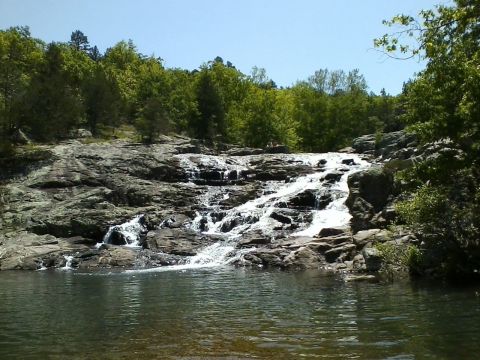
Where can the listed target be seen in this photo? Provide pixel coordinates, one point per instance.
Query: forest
(49, 90)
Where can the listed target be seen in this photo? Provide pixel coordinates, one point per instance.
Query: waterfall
(68, 262)
(300, 207)
(126, 234)
(216, 169)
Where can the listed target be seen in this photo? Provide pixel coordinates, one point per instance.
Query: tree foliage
(49, 90)
(443, 105)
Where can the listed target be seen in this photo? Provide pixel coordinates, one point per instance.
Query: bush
(447, 219)
(399, 256)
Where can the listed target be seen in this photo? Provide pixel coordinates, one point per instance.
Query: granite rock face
(61, 202)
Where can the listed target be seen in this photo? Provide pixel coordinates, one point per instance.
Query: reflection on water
(228, 313)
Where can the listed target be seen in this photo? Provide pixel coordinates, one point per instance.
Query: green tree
(79, 41)
(103, 101)
(311, 112)
(95, 54)
(54, 105)
(181, 99)
(210, 120)
(124, 61)
(257, 112)
(442, 104)
(19, 59)
(153, 120)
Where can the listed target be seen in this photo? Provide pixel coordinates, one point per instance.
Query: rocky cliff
(250, 207)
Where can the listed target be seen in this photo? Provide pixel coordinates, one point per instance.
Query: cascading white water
(130, 232)
(68, 262)
(329, 173)
(255, 215)
(226, 166)
(41, 266)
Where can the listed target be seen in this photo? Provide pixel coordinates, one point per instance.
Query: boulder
(333, 177)
(303, 258)
(117, 257)
(396, 145)
(326, 232)
(254, 238)
(280, 217)
(364, 144)
(343, 252)
(374, 185)
(267, 257)
(304, 199)
(177, 241)
(373, 259)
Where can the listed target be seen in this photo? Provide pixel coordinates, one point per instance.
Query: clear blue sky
(289, 38)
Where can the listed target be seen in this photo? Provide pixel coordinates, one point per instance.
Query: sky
(291, 39)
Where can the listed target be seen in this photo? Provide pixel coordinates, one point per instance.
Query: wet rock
(146, 259)
(26, 251)
(370, 192)
(229, 224)
(254, 238)
(117, 238)
(303, 258)
(348, 162)
(244, 151)
(175, 221)
(305, 199)
(117, 257)
(280, 217)
(333, 177)
(336, 240)
(365, 237)
(325, 232)
(344, 251)
(177, 241)
(84, 189)
(373, 259)
(396, 145)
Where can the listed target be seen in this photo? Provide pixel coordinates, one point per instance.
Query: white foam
(130, 230)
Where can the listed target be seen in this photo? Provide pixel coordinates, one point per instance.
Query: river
(228, 313)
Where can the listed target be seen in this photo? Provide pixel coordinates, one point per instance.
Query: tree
(20, 56)
(54, 104)
(103, 101)
(210, 120)
(259, 77)
(442, 101)
(95, 54)
(79, 41)
(311, 112)
(153, 120)
(124, 61)
(442, 104)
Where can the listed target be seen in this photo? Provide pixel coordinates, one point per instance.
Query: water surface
(231, 313)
